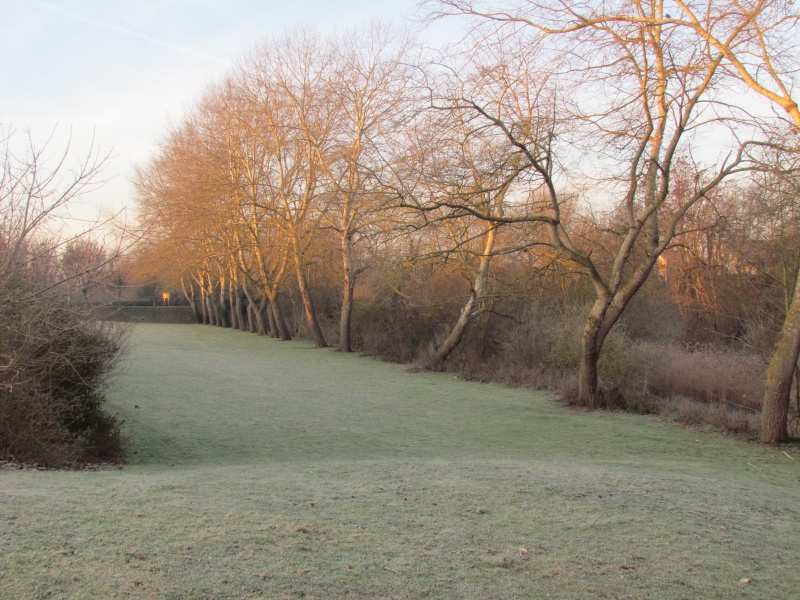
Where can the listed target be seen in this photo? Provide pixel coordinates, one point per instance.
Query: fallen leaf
(744, 580)
(303, 529)
(261, 576)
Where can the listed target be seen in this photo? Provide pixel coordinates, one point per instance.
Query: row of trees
(566, 137)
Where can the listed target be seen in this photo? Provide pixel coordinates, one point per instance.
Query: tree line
(592, 155)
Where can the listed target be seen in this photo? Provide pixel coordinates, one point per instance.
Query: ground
(271, 469)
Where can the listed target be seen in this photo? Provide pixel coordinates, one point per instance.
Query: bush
(52, 404)
(392, 328)
(545, 337)
(705, 374)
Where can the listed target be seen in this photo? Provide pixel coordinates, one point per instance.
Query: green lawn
(262, 468)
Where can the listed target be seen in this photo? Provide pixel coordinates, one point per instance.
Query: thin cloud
(128, 32)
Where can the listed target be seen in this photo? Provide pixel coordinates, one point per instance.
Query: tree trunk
(245, 314)
(210, 313)
(280, 324)
(191, 296)
(347, 298)
(775, 408)
(255, 312)
(456, 334)
(477, 295)
(234, 305)
(249, 315)
(272, 326)
(308, 305)
(240, 309)
(252, 312)
(203, 307)
(224, 312)
(219, 313)
(588, 390)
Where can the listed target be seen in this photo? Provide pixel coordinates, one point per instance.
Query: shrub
(545, 337)
(705, 374)
(52, 404)
(392, 328)
(719, 416)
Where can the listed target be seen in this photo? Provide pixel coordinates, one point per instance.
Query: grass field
(270, 469)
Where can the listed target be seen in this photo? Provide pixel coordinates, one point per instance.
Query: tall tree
(467, 179)
(369, 86)
(759, 42)
(632, 86)
(284, 84)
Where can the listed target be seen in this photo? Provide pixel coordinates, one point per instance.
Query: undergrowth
(701, 385)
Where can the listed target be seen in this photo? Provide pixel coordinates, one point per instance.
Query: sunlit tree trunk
(257, 315)
(777, 395)
(348, 285)
(473, 306)
(308, 303)
(191, 296)
(277, 314)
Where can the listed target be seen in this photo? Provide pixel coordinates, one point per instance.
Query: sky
(117, 71)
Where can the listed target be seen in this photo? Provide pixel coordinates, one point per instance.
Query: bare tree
(368, 85)
(759, 42)
(86, 266)
(468, 180)
(283, 82)
(633, 85)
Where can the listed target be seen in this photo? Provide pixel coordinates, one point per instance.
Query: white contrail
(128, 32)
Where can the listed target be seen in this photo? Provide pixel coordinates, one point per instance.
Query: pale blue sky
(119, 69)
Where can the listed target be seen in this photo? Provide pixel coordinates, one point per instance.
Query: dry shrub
(710, 375)
(57, 361)
(760, 337)
(722, 388)
(55, 357)
(719, 416)
(391, 328)
(540, 348)
(549, 340)
(545, 337)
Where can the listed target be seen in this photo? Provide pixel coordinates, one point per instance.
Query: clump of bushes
(55, 367)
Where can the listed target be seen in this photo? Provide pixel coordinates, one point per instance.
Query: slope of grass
(269, 469)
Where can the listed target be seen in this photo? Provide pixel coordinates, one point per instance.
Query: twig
(789, 455)
(391, 570)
